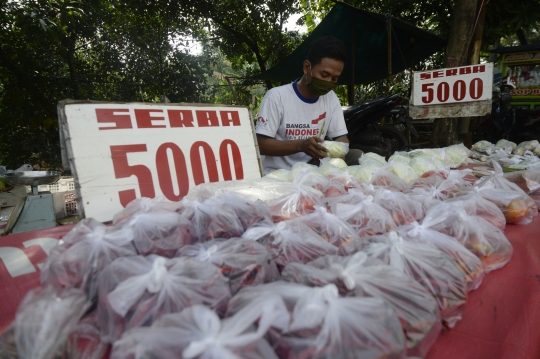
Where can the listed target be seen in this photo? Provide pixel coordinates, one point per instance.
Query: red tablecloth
(501, 318)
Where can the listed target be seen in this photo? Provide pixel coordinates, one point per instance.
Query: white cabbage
(365, 171)
(399, 157)
(281, 174)
(403, 171)
(424, 163)
(336, 149)
(370, 156)
(457, 154)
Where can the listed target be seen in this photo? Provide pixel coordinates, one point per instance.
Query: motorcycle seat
(348, 110)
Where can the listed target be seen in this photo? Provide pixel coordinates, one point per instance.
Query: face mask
(320, 87)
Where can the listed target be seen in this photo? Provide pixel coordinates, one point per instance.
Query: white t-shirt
(286, 115)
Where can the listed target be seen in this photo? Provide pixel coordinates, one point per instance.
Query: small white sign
(121, 151)
(453, 85)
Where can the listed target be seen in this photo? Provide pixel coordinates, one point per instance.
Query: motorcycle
(513, 124)
(366, 133)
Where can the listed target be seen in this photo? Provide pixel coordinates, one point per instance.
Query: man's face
(328, 69)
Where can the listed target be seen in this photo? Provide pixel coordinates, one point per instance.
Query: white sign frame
(453, 85)
(108, 145)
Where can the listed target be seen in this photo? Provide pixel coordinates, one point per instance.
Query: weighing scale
(38, 209)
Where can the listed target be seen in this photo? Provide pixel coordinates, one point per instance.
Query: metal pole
(350, 86)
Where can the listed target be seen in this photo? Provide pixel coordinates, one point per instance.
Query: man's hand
(312, 148)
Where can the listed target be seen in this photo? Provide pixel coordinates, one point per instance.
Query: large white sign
(453, 85)
(122, 151)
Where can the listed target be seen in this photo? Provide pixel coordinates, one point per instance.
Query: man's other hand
(311, 147)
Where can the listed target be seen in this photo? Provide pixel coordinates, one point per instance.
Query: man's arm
(272, 147)
(344, 139)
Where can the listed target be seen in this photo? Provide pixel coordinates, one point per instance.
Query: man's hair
(327, 46)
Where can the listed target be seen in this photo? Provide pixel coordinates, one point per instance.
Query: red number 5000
(459, 90)
(144, 176)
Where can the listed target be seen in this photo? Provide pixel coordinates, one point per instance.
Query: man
(292, 117)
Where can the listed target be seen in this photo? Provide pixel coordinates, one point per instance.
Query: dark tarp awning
(371, 46)
(506, 50)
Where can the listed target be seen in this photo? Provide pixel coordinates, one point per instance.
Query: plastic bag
(361, 276)
(383, 177)
(423, 163)
(301, 167)
(145, 205)
(263, 189)
(476, 205)
(457, 154)
(353, 196)
(398, 156)
(434, 270)
(281, 174)
(367, 218)
(44, 319)
(134, 291)
(515, 204)
(84, 340)
(158, 232)
(437, 187)
(329, 165)
(243, 262)
(479, 156)
(329, 226)
(294, 205)
(403, 171)
(310, 177)
(198, 332)
(525, 146)
(82, 254)
(371, 156)
(403, 209)
(366, 170)
(335, 149)
(249, 213)
(528, 181)
(483, 147)
(340, 183)
(290, 241)
(211, 218)
(505, 145)
(326, 326)
(469, 264)
(479, 236)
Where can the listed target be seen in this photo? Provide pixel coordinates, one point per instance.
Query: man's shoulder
(280, 90)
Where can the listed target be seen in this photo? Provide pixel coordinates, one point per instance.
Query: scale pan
(32, 178)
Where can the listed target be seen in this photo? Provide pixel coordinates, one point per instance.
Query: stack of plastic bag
(383, 177)
(134, 291)
(198, 332)
(479, 236)
(44, 319)
(469, 264)
(243, 262)
(434, 270)
(329, 226)
(290, 241)
(515, 204)
(403, 209)
(158, 232)
(361, 276)
(294, 205)
(366, 217)
(324, 325)
(145, 205)
(211, 218)
(84, 251)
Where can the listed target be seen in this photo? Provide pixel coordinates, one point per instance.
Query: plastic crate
(64, 184)
(65, 204)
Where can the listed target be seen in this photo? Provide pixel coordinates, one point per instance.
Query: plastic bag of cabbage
(336, 149)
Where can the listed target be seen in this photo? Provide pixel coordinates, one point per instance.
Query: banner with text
(121, 151)
(453, 85)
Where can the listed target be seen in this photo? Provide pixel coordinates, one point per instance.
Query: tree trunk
(521, 37)
(459, 38)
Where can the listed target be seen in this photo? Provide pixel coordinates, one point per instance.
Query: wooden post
(350, 86)
(389, 53)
